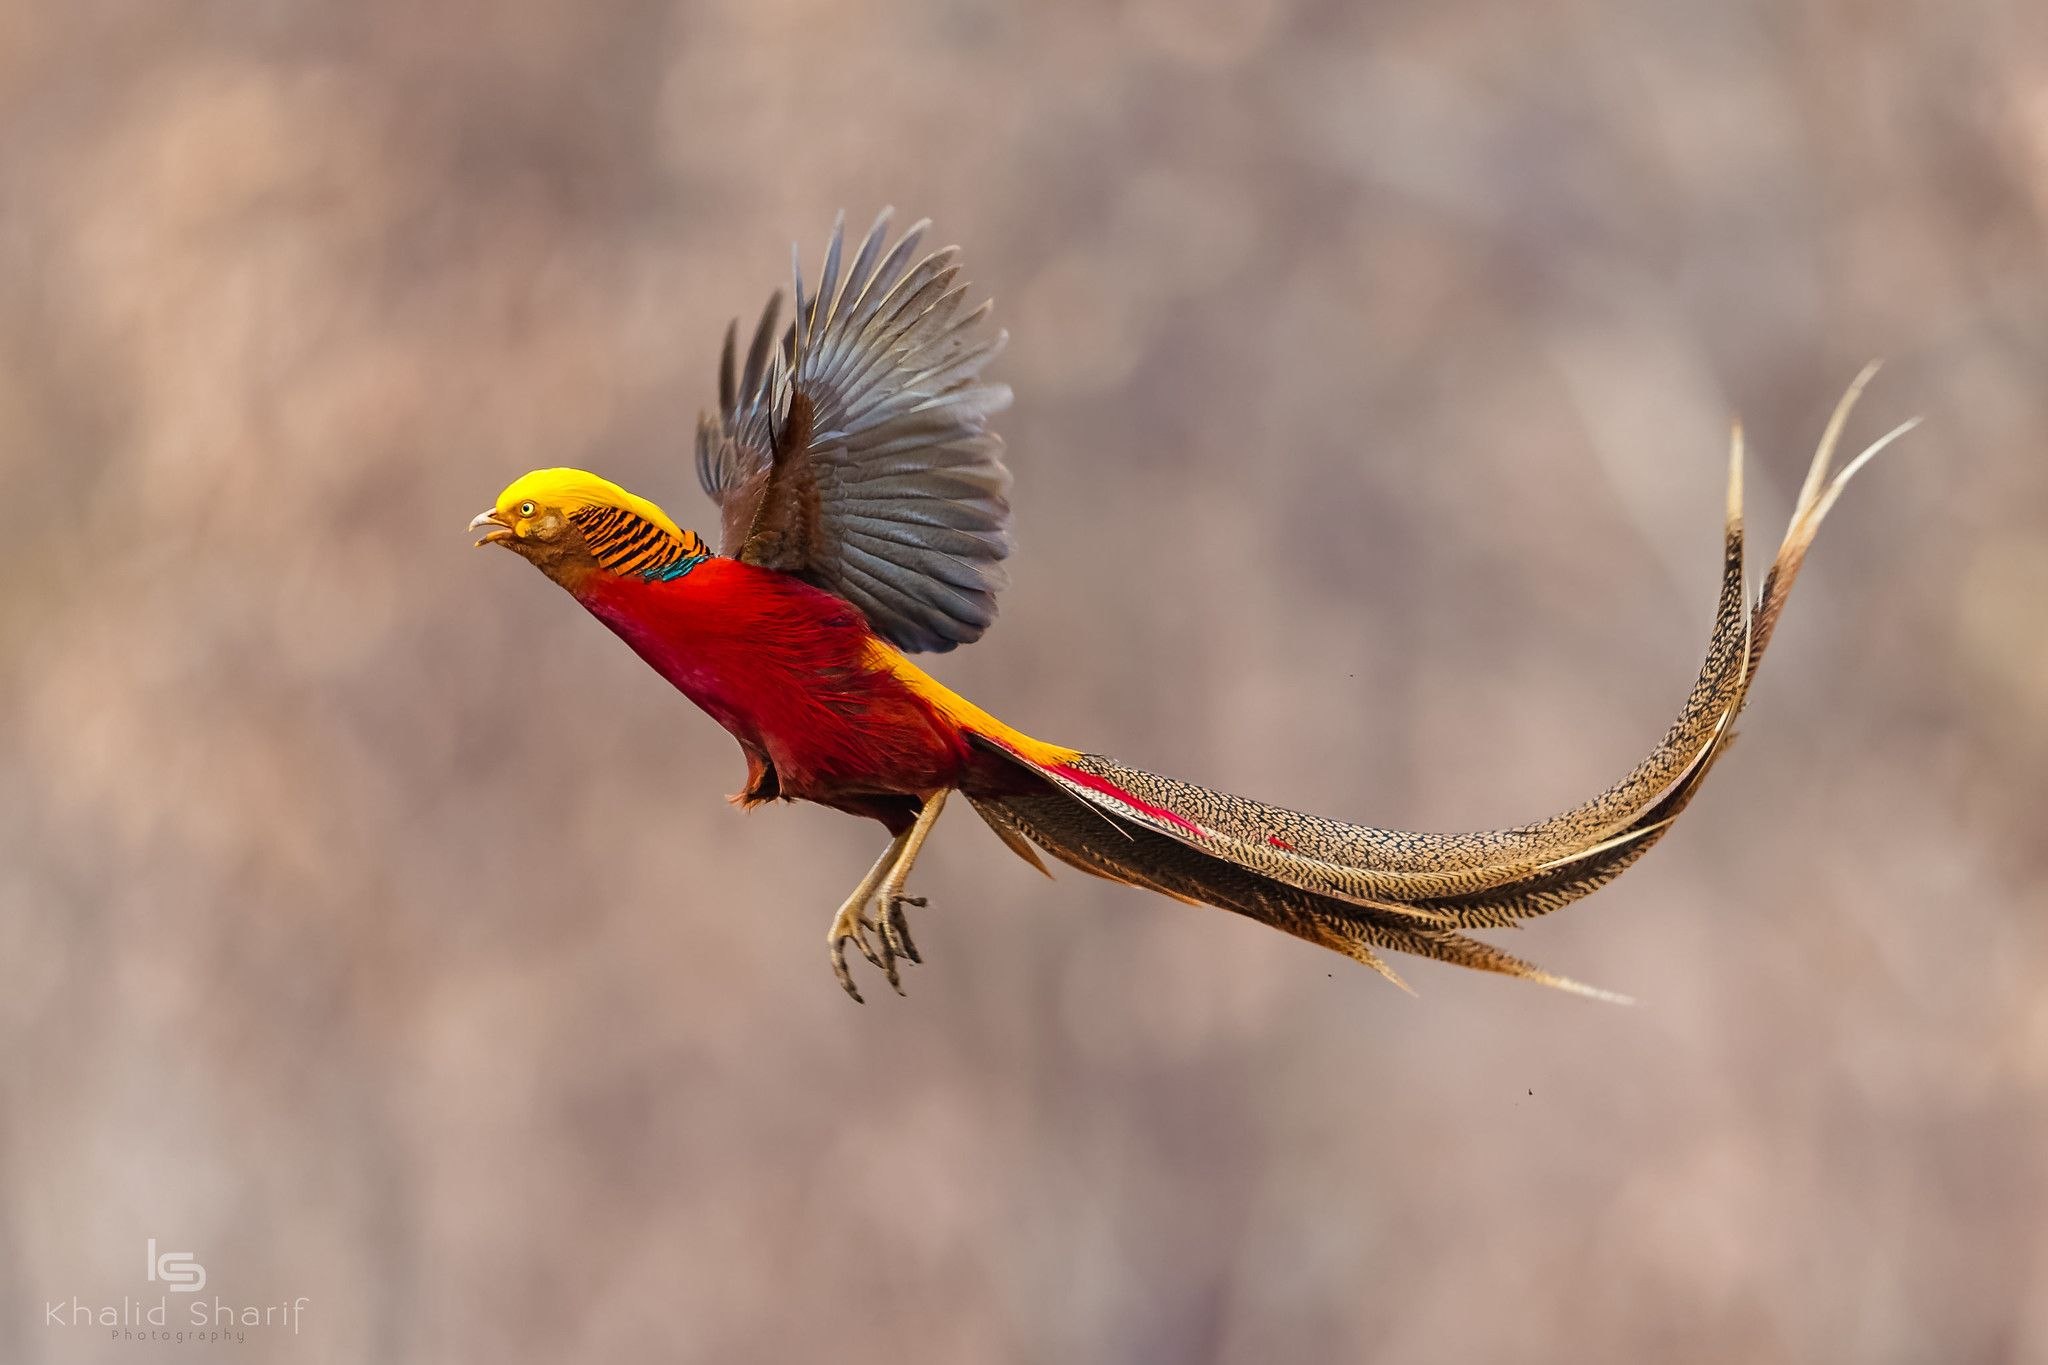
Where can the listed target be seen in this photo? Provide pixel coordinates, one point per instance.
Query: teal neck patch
(665, 573)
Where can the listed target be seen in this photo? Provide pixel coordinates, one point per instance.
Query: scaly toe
(896, 927)
(839, 969)
(877, 957)
(850, 926)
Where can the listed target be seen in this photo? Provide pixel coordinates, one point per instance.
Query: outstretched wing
(854, 451)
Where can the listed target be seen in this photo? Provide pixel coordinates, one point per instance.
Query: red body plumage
(793, 672)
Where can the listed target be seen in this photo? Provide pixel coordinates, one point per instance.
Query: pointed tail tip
(1735, 454)
(1818, 493)
(1824, 454)
(1870, 451)
(1565, 983)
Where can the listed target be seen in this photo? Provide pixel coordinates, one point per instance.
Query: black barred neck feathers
(624, 542)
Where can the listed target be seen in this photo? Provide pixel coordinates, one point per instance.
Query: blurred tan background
(373, 925)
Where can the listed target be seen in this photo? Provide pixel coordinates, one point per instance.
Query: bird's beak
(492, 525)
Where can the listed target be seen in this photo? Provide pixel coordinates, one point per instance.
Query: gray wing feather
(912, 515)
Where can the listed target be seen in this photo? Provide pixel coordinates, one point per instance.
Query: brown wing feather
(783, 531)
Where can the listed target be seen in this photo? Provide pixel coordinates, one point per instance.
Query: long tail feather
(1383, 867)
(1361, 890)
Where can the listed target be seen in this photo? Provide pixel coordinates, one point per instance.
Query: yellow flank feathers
(575, 490)
(962, 712)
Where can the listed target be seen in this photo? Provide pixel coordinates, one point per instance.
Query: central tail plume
(1364, 891)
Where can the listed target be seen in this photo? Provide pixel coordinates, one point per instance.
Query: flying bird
(864, 518)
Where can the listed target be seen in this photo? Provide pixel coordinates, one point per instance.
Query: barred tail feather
(1361, 890)
(1077, 836)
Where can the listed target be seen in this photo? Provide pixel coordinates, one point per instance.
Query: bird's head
(569, 523)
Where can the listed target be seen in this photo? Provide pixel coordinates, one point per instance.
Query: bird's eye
(525, 509)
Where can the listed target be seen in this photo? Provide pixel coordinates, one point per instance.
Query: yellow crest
(578, 490)
(624, 533)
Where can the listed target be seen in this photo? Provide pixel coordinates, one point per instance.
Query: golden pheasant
(863, 518)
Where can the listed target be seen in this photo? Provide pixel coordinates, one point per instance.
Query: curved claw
(895, 927)
(852, 927)
(839, 970)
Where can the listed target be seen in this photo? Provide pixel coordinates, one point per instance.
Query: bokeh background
(372, 924)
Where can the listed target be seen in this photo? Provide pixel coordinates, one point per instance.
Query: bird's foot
(890, 945)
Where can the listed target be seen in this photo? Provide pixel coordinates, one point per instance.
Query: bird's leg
(850, 925)
(890, 900)
(883, 887)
